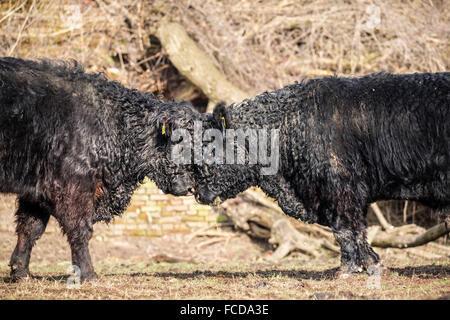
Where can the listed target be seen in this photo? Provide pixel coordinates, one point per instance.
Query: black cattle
(74, 146)
(344, 143)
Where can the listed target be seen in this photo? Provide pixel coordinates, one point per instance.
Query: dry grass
(259, 45)
(290, 280)
(95, 34)
(267, 45)
(232, 269)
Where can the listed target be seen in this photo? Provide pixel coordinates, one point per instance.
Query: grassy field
(132, 267)
(128, 268)
(290, 280)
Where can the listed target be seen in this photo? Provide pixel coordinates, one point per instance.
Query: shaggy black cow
(344, 143)
(75, 145)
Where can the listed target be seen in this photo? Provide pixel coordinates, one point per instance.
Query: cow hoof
(20, 275)
(345, 275)
(348, 271)
(378, 270)
(89, 277)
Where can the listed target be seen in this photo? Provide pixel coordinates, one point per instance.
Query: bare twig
(12, 11)
(213, 241)
(405, 208)
(19, 35)
(383, 222)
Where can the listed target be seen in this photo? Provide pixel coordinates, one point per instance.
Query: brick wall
(153, 213)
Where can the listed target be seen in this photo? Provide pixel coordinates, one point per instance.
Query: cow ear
(219, 115)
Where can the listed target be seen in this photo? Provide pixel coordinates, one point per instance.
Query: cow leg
(279, 188)
(356, 253)
(31, 222)
(349, 229)
(79, 245)
(75, 218)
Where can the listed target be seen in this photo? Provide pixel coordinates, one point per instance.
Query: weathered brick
(165, 220)
(200, 207)
(147, 208)
(153, 233)
(134, 208)
(181, 213)
(196, 225)
(181, 227)
(155, 220)
(154, 227)
(141, 223)
(139, 226)
(138, 203)
(192, 218)
(140, 190)
(143, 216)
(182, 230)
(203, 212)
(154, 215)
(139, 197)
(177, 230)
(159, 197)
(166, 213)
(123, 221)
(135, 232)
(176, 208)
(189, 200)
(211, 218)
(129, 215)
(150, 186)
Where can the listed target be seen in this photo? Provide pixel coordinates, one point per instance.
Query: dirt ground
(229, 266)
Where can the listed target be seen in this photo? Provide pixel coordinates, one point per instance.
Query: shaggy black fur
(344, 143)
(75, 146)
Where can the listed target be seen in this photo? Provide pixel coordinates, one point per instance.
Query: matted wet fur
(344, 143)
(75, 146)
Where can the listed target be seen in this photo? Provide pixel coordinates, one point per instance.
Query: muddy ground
(227, 266)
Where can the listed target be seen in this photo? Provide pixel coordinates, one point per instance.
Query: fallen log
(408, 236)
(262, 219)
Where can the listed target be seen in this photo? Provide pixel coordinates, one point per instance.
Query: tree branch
(196, 66)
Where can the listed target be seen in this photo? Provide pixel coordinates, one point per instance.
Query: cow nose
(205, 196)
